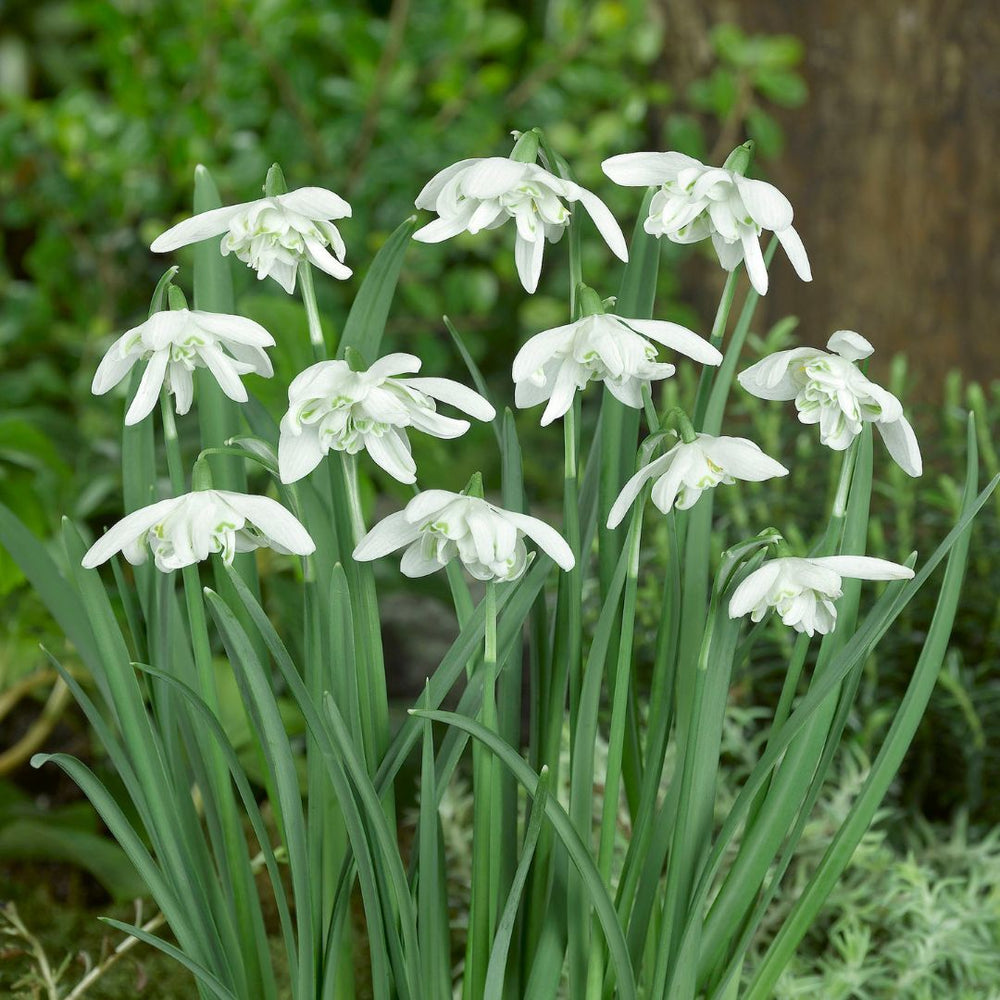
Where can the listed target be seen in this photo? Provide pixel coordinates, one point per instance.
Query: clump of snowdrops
(557, 901)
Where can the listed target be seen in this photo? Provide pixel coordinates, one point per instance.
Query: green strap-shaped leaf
(570, 839)
(366, 321)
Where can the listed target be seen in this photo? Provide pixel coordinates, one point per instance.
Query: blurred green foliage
(107, 108)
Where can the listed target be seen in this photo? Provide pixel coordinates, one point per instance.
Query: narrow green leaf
(477, 380)
(365, 323)
(432, 890)
(496, 970)
(890, 756)
(200, 973)
(569, 838)
(58, 596)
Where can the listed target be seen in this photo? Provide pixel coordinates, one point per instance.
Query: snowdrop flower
(829, 390)
(696, 201)
(803, 590)
(173, 343)
(484, 193)
(187, 529)
(553, 364)
(272, 235)
(332, 407)
(437, 525)
(691, 467)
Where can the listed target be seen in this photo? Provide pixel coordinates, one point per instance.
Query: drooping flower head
(273, 235)
(483, 193)
(830, 390)
(176, 341)
(437, 525)
(332, 407)
(691, 467)
(803, 591)
(695, 202)
(554, 364)
(187, 529)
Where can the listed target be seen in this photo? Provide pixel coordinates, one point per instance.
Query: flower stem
(312, 312)
(486, 848)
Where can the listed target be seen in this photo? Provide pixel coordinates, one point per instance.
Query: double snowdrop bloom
(477, 194)
(273, 235)
(690, 468)
(332, 407)
(802, 591)
(829, 390)
(436, 526)
(554, 364)
(175, 342)
(695, 201)
(187, 529)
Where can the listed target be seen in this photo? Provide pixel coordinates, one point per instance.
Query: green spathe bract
(284, 713)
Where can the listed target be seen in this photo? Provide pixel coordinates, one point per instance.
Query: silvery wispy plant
(561, 903)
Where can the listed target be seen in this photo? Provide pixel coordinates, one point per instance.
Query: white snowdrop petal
(544, 536)
(298, 454)
(634, 486)
(741, 458)
(863, 567)
(754, 259)
(315, 203)
(455, 394)
(389, 534)
(902, 445)
(129, 529)
(272, 520)
(850, 345)
(607, 224)
(646, 169)
(114, 366)
(389, 452)
(492, 176)
(753, 590)
(427, 198)
(791, 243)
(528, 258)
(677, 338)
(325, 261)
(537, 350)
(767, 206)
(198, 228)
(149, 388)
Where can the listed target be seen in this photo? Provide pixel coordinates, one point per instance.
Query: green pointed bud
(474, 488)
(526, 148)
(739, 160)
(590, 302)
(176, 298)
(201, 475)
(355, 360)
(275, 183)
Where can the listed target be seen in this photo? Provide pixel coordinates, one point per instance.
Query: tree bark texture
(891, 167)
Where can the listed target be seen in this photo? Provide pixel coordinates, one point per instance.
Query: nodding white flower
(437, 525)
(272, 235)
(829, 390)
(696, 201)
(553, 364)
(802, 591)
(332, 407)
(690, 468)
(187, 529)
(484, 193)
(176, 341)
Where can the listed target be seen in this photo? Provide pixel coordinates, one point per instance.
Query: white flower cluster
(334, 406)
